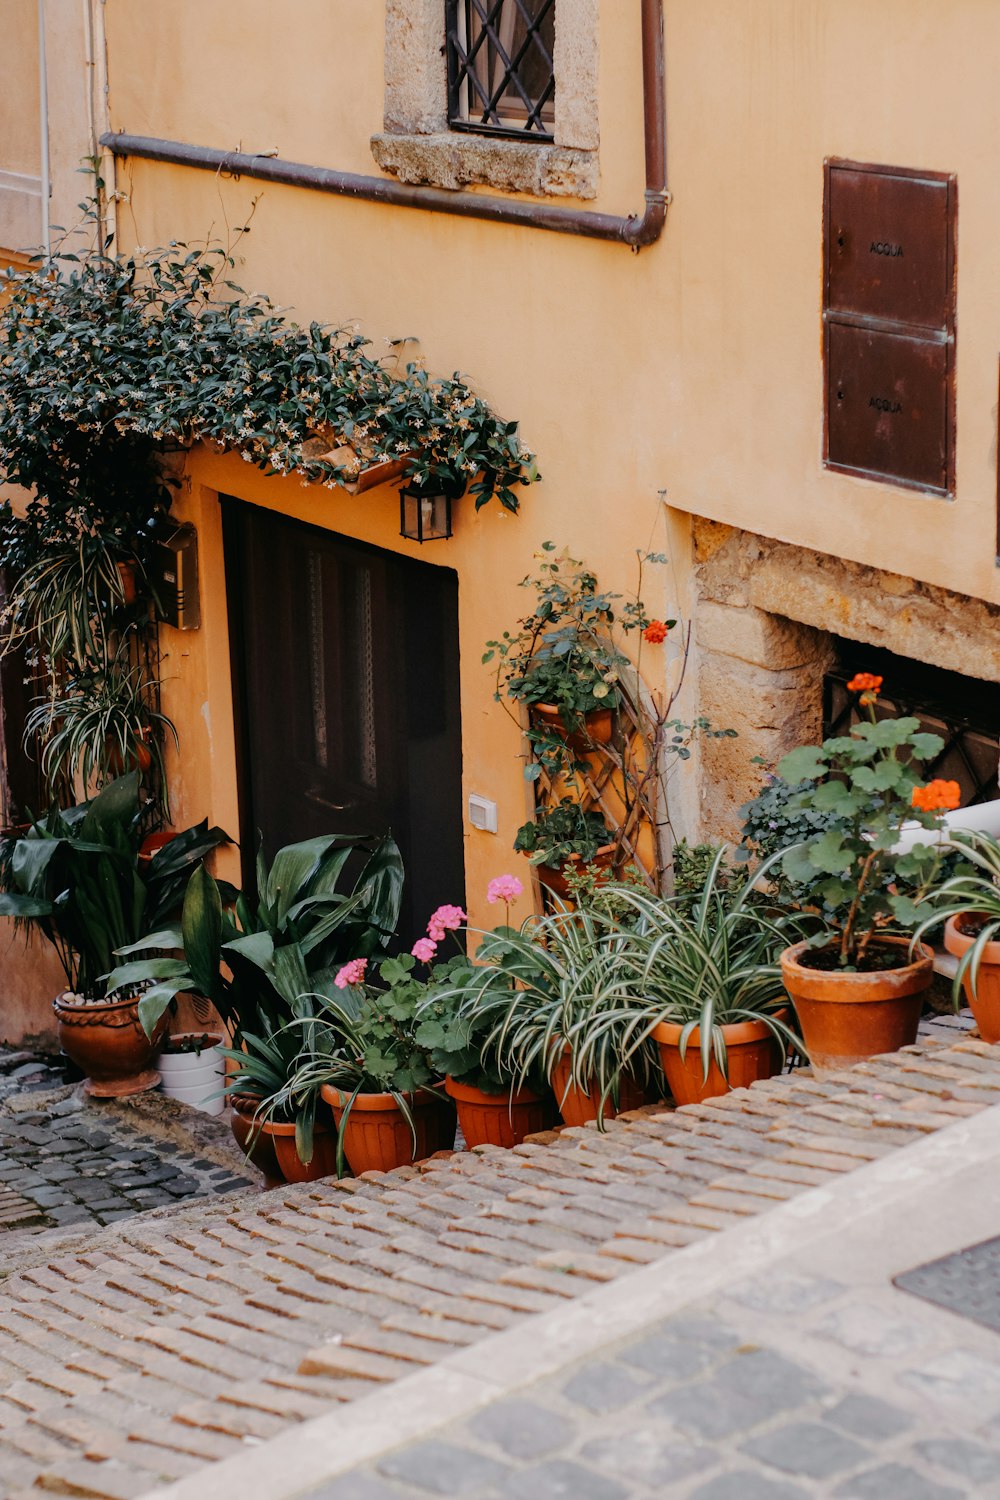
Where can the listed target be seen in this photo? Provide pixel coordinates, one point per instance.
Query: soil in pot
(554, 880)
(984, 997)
(256, 1143)
(498, 1119)
(106, 1041)
(579, 1106)
(848, 1017)
(377, 1135)
(752, 1053)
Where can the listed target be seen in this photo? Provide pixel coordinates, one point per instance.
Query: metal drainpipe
(633, 230)
(43, 113)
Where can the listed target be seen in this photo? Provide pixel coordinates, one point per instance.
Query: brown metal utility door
(346, 668)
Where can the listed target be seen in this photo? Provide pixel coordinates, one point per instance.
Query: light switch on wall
(482, 813)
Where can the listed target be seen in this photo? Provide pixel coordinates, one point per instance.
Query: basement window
(962, 710)
(499, 93)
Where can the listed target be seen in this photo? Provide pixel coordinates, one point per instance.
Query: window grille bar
(490, 80)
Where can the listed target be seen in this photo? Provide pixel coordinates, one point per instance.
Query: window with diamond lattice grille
(501, 78)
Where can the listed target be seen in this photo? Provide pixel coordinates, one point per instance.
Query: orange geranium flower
(655, 632)
(937, 796)
(864, 682)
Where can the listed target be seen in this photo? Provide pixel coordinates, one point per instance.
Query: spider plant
(557, 983)
(973, 892)
(265, 1068)
(68, 598)
(709, 963)
(362, 1042)
(98, 725)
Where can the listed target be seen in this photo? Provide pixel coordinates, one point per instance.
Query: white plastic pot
(195, 1078)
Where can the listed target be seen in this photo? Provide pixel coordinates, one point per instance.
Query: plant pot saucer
(121, 1088)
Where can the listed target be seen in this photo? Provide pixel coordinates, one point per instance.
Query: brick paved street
(177, 1338)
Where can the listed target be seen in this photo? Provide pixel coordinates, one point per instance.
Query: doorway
(346, 677)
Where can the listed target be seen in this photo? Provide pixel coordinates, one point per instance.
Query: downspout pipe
(43, 115)
(633, 230)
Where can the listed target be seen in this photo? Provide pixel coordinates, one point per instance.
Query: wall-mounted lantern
(423, 516)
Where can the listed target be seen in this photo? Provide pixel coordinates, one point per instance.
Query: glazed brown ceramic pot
(107, 1042)
(498, 1119)
(580, 1106)
(555, 880)
(255, 1143)
(599, 724)
(751, 1053)
(377, 1135)
(984, 995)
(846, 1018)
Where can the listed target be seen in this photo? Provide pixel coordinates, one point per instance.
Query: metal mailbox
(888, 405)
(889, 316)
(890, 240)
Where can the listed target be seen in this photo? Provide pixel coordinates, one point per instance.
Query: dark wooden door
(346, 670)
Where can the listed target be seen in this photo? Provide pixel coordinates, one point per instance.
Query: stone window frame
(418, 145)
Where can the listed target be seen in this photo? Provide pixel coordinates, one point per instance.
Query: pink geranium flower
(351, 973)
(424, 949)
(504, 888)
(445, 919)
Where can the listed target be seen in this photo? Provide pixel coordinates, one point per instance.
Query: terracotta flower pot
(497, 1119)
(261, 1145)
(107, 1042)
(751, 1053)
(846, 1018)
(153, 843)
(599, 726)
(554, 880)
(323, 1162)
(377, 1135)
(580, 1106)
(984, 996)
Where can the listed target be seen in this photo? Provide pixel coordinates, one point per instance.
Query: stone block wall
(765, 614)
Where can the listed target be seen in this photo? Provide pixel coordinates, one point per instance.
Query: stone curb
(320, 1450)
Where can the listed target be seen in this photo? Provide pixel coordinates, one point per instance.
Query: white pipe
(43, 111)
(985, 817)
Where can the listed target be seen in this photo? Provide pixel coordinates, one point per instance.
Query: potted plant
(856, 982)
(564, 839)
(100, 724)
(563, 661)
(192, 1070)
(363, 1055)
(544, 1002)
(706, 967)
(256, 953)
(969, 905)
(75, 877)
(287, 1135)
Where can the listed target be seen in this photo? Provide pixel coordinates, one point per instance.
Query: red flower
(937, 796)
(864, 682)
(655, 632)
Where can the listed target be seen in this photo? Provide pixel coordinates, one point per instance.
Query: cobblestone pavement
(179, 1337)
(68, 1162)
(788, 1390)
